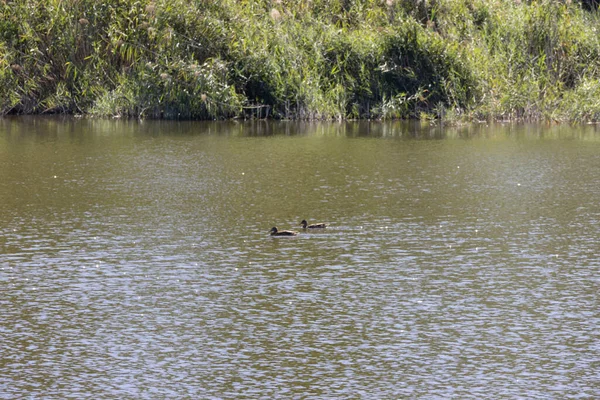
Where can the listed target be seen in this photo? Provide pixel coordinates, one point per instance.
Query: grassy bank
(304, 59)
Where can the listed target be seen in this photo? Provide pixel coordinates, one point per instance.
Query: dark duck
(305, 225)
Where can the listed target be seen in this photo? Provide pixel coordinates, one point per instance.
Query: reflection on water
(135, 260)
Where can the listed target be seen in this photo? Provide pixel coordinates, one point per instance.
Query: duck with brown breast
(275, 232)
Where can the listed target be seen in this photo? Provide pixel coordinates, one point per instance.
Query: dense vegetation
(305, 59)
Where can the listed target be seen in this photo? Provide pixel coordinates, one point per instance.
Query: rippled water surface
(135, 261)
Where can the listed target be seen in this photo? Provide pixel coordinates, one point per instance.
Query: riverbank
(370, 59)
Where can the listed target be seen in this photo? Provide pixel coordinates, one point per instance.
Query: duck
(275, 232)
(305, 225)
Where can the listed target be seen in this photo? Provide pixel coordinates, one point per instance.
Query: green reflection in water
(135, 259)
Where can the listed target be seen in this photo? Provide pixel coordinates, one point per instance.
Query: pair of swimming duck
(305, 225)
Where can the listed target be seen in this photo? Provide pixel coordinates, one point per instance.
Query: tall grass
(302, 59)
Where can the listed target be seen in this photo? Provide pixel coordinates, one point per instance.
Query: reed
(306, 59)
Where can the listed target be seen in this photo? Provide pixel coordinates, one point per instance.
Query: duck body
(275, 232)
(305, 225)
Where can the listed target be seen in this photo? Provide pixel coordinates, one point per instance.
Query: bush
(319, 59)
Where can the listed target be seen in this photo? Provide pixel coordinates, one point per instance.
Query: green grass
(304, 59)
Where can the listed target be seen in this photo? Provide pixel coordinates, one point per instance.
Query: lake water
(136, 261)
